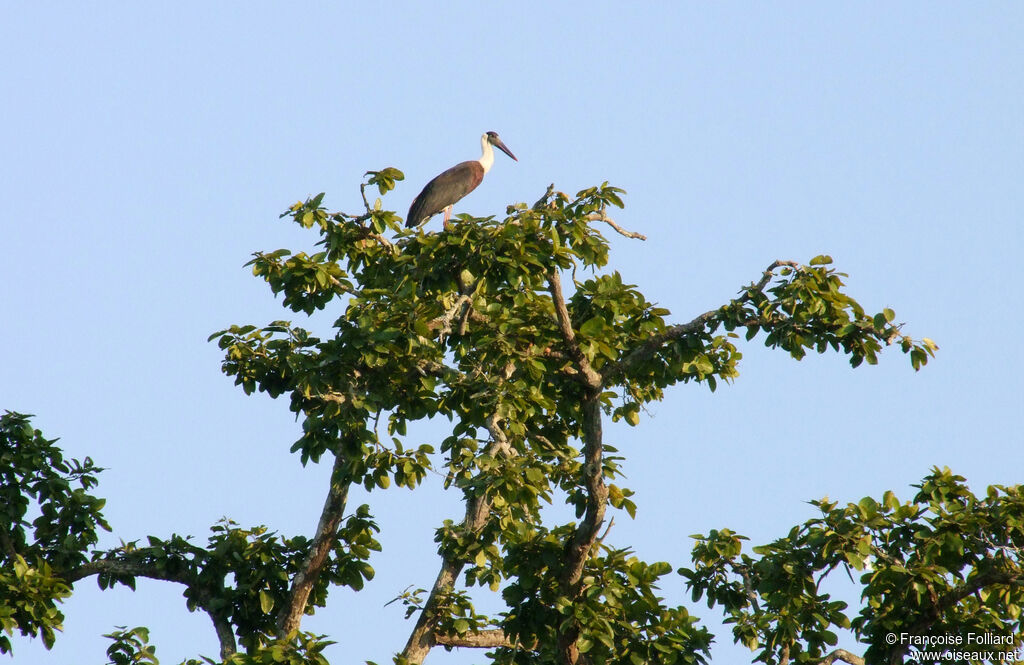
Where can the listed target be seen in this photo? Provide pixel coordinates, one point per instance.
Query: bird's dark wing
(443, 191)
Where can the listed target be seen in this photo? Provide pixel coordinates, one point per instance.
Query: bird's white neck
(487, 158)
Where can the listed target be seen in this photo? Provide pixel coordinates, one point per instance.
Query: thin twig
(542, 201)
(362, 192)
(602, 216)
(604, 535)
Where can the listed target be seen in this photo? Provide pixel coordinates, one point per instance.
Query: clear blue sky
(147, 149)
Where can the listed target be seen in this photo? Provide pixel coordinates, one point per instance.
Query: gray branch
(320, 548)
(602, 216)
(481, 639)
(588, 375)
(221, 624)
(843, 655)
(699, 324)
(579, 547)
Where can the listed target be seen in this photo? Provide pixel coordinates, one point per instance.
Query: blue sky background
(147, 150)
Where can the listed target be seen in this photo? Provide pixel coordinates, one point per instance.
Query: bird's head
(492, 138)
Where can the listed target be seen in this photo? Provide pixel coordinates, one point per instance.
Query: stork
(447, 189)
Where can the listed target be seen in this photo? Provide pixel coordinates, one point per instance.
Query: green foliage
(28, 595)
(131, 647)
(384, 179)
(460, 323)
(296, 648)
(48, 521)
(621, 618)
(260, 563)
(945, 563)
(471, 323)
(806, 308)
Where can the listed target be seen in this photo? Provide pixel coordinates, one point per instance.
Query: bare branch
(748, 587)
(323, 542)
(467, 312)
(484, 639)
(579, 547)
(368, 234)
(221, 624)
(587, 373)
(125, 566)
(769, 272)
(334, 396)
(604, 535)
(136, 568)
(342, 287)
(366, 203)
(651, 346)
(380, 239)
(843, 655)
(542, 201)
(500, 442)
(478, 507)
(602, 216)
(597, 493)
(481, 639)
(444, 322)
(582, 542)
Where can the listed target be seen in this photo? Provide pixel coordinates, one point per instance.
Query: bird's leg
(447, 213)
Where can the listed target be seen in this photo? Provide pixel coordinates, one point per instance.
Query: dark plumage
(447, 189)
(444, 191)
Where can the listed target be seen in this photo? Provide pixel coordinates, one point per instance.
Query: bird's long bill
(501, 146)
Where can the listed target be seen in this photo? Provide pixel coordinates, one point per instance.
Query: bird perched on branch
(447, 189)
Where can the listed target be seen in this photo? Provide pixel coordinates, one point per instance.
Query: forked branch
(588, 375)
(602, 216)
(478, 508)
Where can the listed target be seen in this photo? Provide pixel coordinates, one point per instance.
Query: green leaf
(868, 507)
(266, 602)
(593, 327)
